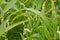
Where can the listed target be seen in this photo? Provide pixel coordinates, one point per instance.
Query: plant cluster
(29, 19)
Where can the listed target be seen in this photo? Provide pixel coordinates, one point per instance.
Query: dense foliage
(29, 19)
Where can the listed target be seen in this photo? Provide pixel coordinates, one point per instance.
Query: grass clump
(29, 20)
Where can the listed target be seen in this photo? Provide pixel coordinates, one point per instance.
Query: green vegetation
(29, 19)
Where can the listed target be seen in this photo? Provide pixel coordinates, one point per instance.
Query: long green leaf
(10, 27)
(9, 5)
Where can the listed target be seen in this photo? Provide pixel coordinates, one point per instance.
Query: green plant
(29, 20)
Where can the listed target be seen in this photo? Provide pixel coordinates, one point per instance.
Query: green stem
(53, 8)
(2, 18)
